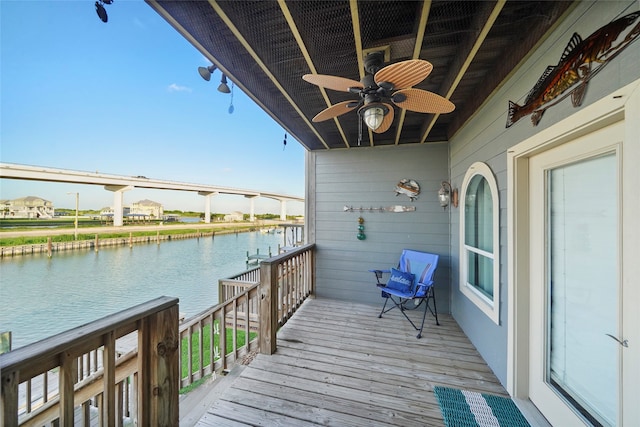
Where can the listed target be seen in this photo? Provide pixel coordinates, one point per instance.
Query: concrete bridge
(118, 184)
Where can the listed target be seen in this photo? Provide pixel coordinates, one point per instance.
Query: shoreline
(95, 243)
(45, 232)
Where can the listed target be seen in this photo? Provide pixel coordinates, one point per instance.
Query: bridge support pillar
(207, 205)
(283, 210)
(252, 208)
(118, 198)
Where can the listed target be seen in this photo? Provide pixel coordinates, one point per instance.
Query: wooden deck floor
(338, 364)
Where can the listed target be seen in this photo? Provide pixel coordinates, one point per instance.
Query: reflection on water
(41, 296)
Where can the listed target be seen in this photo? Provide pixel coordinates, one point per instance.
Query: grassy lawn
(37, 240)
(195, 344)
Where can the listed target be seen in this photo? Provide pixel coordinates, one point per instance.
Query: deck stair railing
(81, 374)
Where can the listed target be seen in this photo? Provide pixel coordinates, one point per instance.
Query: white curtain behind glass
(583, 228)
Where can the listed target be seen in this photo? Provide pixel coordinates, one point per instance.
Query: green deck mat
(462, 408)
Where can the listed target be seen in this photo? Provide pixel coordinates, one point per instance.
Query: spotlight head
(102, 13)
(205, 72)
(223, 85)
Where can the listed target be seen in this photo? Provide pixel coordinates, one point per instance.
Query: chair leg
(435, 309)
(386, 300)
(424, 316)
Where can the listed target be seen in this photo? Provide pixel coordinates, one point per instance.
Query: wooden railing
(82, 373)
(285, 282)
(217, 338)
(88, 373)
(235, 285)
(289, 276)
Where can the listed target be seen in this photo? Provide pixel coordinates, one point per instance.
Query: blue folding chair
(412, 282)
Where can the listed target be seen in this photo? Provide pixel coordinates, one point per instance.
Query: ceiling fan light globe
(373, 117)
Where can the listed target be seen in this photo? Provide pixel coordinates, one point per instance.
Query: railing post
(268, 307)
(9, 399)
(159, 381)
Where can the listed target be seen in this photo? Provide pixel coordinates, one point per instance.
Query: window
(479, 245)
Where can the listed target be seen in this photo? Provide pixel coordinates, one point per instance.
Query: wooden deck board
(337, 363)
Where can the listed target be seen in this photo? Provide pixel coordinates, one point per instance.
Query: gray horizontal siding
(366, 178)
(486, 139)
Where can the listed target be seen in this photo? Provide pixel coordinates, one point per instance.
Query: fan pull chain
(284, 143)
(359, 128)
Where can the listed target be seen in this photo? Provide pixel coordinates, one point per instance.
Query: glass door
(575, 281)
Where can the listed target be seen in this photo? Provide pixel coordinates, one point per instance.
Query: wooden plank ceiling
(266, 46)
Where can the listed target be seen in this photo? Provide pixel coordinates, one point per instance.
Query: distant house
(234, 216)
(107, 213)
(27, 207)
(147, 208)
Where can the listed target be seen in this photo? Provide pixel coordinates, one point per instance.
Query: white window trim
(487, 306)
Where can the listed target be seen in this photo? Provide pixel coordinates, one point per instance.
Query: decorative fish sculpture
(408, 187)
(576, 67)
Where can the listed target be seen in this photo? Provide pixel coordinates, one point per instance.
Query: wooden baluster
(201, 348)
(109, 378)
(119, 403)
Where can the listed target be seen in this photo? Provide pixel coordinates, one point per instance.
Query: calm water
(41, 296)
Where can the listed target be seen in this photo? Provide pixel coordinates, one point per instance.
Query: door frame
(624, 102)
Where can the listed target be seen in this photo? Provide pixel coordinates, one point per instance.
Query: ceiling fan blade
(387, 121)
(332, 82)
(423, 101)
(335, 111)
(404, 74)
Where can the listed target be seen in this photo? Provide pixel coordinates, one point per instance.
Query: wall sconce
(447, 194)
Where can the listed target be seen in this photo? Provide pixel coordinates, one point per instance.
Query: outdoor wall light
(447, 195)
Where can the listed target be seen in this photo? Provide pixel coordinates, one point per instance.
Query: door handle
(624, 343)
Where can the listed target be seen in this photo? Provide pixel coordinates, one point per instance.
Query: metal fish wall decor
(580, 61)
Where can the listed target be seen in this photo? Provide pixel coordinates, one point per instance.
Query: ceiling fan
(380, 89)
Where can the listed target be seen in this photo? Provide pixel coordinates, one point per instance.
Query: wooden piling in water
(130, 239)
(49, 247)
(95, 245)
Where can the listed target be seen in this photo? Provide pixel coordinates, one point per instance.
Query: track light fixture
(205, 73)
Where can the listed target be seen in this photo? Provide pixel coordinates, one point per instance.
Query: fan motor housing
(373, 62)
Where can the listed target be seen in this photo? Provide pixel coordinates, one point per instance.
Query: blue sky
(125, 98)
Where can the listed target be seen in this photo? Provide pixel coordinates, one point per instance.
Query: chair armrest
(424, 285)
(378, 274)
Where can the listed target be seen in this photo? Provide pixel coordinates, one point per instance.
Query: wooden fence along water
(83, 373)
(96, 243)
